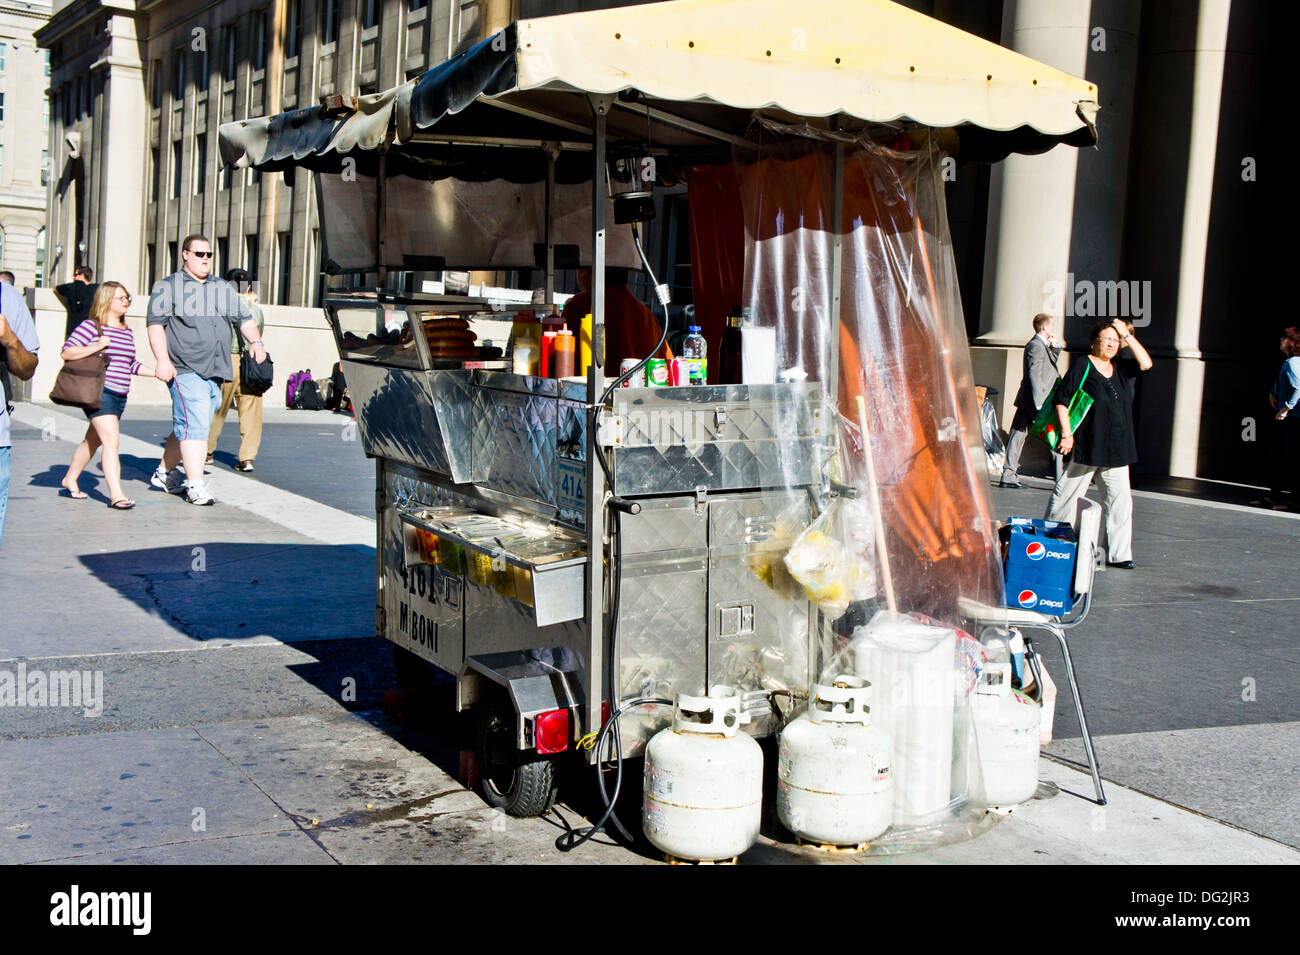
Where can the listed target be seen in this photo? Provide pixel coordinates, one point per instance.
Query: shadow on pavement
(232, 591)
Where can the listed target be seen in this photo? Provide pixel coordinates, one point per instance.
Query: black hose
(572, 838)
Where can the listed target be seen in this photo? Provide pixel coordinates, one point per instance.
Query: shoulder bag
(255, 377)
(1047, 426)
(80, 383)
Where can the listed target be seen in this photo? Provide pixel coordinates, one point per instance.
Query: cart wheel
(509, 780)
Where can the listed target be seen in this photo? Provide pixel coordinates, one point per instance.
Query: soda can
(656, 373)
(679, 372)
(699, 371)
(636, 380)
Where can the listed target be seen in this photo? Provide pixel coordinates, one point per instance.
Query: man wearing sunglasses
(191, 317)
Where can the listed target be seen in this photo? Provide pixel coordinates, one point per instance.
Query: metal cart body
(500, 468)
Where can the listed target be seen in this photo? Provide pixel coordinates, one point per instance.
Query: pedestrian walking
(18, 347)
(1285, 399)
(191, 316)
(1105, 444)
(77, 297)
(248, 407)
(1036, 381)
(105, 331)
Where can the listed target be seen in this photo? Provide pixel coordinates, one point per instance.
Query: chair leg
(1083, 721)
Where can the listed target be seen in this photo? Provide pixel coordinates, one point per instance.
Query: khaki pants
(249, 409)
(1116, 505)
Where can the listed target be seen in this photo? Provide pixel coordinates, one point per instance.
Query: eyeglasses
(123, 295)
(202, 255)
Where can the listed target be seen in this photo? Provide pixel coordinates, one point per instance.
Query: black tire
(508, 779)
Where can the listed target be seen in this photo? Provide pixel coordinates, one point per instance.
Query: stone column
(123, 160)
(1031, 204)
(1207, 88)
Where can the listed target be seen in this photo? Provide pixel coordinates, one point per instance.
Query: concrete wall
(296, 338)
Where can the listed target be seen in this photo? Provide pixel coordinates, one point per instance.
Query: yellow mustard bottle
(584, 354)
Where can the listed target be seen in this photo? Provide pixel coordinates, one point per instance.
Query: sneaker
(173, 481)
(198, 493)
(244, 466)
(208, 459)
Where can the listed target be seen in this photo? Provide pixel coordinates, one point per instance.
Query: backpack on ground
(308, 397)
(292, 385)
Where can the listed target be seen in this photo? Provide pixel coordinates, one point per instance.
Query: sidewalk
(227, 637)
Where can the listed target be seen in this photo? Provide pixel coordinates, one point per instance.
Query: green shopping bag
(1046, 425)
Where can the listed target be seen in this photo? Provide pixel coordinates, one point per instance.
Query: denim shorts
(110, 402)
(195, 400)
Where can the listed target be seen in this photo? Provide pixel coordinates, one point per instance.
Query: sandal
(76, 495)
(122, 504)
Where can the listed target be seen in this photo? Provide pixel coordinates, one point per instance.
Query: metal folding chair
(1087, 527)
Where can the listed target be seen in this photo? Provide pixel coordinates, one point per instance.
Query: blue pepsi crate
(1044, 593)
(1039, 563)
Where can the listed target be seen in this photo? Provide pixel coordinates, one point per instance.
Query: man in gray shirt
(191, 315)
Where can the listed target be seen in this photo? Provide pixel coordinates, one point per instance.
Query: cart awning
(872, 59)
(697, 70)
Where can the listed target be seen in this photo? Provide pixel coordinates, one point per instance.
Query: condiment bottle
(585, 345)
(526, 356)
(548, 346)
(562, 354)
(526, 326)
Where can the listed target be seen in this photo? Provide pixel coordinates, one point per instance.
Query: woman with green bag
(1103, 443)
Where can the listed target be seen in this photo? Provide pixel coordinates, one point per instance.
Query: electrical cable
(572, 838)
(665, 296)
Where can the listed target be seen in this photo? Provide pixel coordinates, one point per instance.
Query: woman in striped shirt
(105, 331)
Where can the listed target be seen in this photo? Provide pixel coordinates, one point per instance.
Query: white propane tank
(1006, 731)
(703, 786)
(835, 784)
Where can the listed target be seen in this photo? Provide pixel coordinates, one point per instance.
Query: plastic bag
(834, 558)
(994, 451)
(857, 528)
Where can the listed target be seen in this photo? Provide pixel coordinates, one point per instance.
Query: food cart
(564, 547)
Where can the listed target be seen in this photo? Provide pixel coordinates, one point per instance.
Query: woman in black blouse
(1105, 444)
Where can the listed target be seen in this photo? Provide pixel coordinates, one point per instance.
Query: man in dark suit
(77, 296)
(1040, 374)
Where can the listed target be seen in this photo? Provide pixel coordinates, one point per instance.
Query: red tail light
(551, 731)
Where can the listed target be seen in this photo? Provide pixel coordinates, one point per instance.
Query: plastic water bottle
(696, 349)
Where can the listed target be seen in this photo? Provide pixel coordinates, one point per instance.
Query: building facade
(138, 91)
(1157, 224)
(24, 125)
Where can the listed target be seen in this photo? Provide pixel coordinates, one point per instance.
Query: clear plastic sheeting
(898, 341)
(900, 523)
